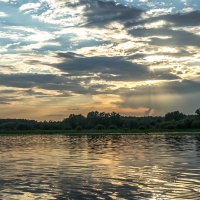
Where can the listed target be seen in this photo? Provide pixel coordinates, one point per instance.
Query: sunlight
(161, 67)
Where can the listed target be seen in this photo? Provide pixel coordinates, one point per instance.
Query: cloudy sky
(135, 57)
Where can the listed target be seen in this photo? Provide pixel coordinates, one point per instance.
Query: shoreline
(99, 132)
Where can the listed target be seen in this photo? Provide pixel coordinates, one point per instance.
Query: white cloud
(30, 6)
(3, 14)
(38, 46)
(28, 63)
(159, 11)
(55, 12)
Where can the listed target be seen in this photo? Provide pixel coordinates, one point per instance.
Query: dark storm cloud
(124, 70)
(178, 38)
(108, 68)
(31, 92)
(175, 37)
(64, 84)
(44, 81)
(21, 92)
(101, 13)
(26, 80)
(175, 21)
(183, 19)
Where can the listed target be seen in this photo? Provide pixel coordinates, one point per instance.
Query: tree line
(113, 121)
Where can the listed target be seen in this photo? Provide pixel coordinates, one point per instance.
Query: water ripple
(99, 167)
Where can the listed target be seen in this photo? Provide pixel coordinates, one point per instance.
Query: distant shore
(101, 132)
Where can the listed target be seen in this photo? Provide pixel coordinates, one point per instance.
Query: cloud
(5, 100)
(162, 98)
(101, 13)
(8, 96)
(176, 38)
(116, 66)
(184, 19)
(48, 85)
(109, 68)
(3, 14)
(29, 6)
(168, 33)
(44, 81)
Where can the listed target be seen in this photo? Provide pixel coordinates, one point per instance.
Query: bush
(22, 126)
(142, 128)
(196, 124)
(112, 127)
(171, 126)
(78, 128)
(180, 125)
(100, 127)
(167, 125)
(187, 123)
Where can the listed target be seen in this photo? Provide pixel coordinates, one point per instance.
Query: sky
(135, 57)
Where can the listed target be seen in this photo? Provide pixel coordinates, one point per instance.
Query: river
(99, 167)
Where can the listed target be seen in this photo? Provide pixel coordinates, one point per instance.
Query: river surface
(99, 167)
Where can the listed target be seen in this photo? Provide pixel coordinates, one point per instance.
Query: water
(99, 167)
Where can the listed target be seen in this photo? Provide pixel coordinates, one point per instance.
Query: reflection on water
(99, 167)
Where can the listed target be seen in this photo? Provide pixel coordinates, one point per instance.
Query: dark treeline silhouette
(108, 121)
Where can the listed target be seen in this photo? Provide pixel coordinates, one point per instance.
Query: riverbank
(102, 132)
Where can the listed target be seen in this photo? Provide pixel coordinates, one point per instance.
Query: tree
(198, 111)
(75, 121)
(176, 115)
(92, 119)
(115, 119)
